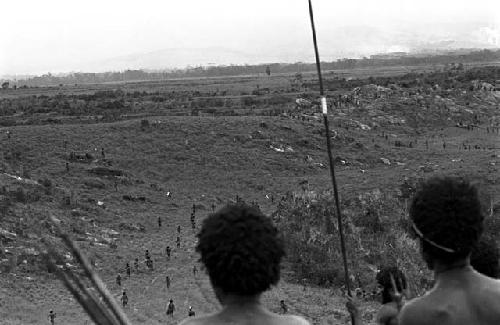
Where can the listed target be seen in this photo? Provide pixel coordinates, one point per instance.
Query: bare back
(463, 298)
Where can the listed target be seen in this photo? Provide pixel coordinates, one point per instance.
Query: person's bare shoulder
(415, 312)
(488, 296)
(386, 313)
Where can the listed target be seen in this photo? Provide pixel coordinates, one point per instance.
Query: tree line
(238, 70)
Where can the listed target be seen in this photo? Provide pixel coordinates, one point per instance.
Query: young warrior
(393, 282)
(283, 307)
(136, 264)
(124, 299)
(127, 269)
(171, 308)
(446, 216)
(52, 317)
(241, 251)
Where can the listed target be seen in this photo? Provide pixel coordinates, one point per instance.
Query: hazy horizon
(91, 36)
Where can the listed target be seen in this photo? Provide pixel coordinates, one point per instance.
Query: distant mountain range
(334, 43)
(337, 43)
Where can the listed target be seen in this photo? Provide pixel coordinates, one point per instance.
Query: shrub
(5, 204)
(47, 185)
(94, 183)
(248, 101)
(308, 223)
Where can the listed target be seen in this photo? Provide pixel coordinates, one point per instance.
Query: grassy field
(238, 149)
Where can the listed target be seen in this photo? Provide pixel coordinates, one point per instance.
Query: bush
(144, 124)
(7, 121)
(5, 204)
(94, 183)
(47, 185)
(308, 223)
(20, 195)
(248, 101)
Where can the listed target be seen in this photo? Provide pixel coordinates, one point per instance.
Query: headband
(421, 236)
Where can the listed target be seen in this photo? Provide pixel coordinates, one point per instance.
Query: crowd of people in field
(241, 251)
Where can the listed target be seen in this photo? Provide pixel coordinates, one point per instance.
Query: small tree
(5, 85)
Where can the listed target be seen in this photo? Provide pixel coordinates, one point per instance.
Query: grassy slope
(217, 162)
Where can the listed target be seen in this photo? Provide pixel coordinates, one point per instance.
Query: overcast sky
(60, 35)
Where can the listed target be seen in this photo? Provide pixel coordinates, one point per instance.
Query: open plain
(108, 160)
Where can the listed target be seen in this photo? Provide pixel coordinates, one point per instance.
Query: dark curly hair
(384, 279)
(447, 212)
(485, 257)
(241, 250)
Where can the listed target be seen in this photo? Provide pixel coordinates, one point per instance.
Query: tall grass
(374, 225)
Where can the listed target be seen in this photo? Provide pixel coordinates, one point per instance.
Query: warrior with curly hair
(241, 250)
(446, 217)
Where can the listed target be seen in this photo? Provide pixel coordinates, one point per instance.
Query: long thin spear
(328, 145)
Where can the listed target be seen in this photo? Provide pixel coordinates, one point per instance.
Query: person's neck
(445, 270)
(231, 301)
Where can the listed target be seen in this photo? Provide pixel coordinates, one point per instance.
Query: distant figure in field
(195, 270)
(446, 215)
(241, 250)
(213, 206)
(168, 250)
(485, 258)
(127, 269)
(136, 264)
(52, 317)
(167, 279)
(8, 134)
(171, 308)
(178, 241)
(124, 299)
(149, 264)
(146, 255)
(178, 229)
(159, 222)
(119, 280)
(67, 166)
(103, 155)
(191, 312)
(283, 306)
